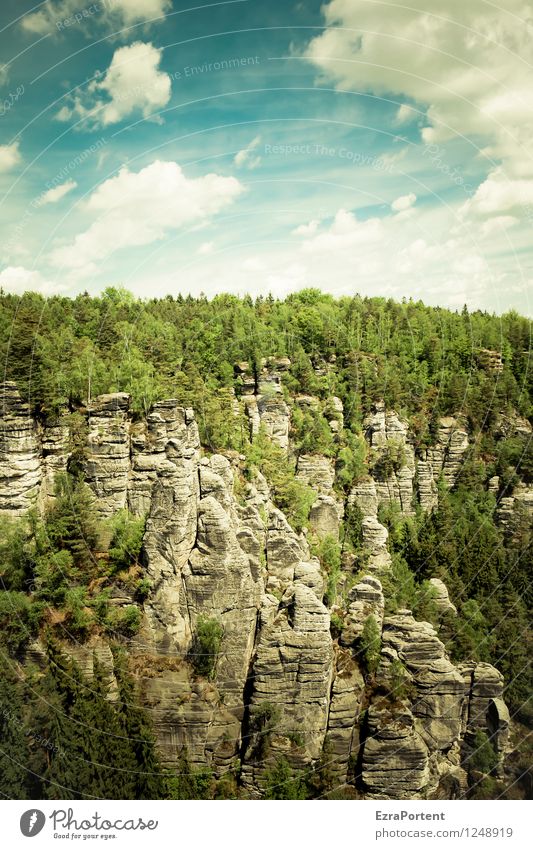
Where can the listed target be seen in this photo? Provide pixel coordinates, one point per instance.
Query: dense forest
(60, 733)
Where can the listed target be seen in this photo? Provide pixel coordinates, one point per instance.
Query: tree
(282, 783)
(14, 772)
(370, 645)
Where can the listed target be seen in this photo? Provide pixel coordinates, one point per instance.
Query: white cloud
(132, 83)
(9, 156)
(247, 158)
(138, 208)
(17, 279)
(345, 233)
(206, 248)
(468, 65)
(500, 195)
(307, 229)
(63, 15)
(54, 195)
(404, 202)
(406, 114)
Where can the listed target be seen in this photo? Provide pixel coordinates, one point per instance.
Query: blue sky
(356, 145)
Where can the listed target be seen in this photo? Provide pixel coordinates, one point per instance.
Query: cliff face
(286, 682)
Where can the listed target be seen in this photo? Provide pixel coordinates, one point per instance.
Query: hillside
(264, 549)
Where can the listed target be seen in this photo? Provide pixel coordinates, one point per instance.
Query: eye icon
(32, 822)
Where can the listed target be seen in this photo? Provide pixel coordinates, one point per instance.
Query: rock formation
(288, 679)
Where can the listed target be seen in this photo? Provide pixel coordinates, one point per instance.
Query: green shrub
(483, 757)
(370, 645)
(264, 720)
(19, 620)
(350, 466)
(16, 554)
(71, 523)
(291, 495)
(142, 590)
(206, 646)
(79, 619)
(283, 783)
(126, 542)
(399, 680)
(125, 621)
(54, 572)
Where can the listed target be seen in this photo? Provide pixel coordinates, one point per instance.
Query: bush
(53, 574)
(126, 542)
(370, 645)
(263, 722)
(79, 619)
(71, 523)
(291, 495)
(353, 526)
(189, 783)
(483, 757)
(16, 555)
(142, 590)
(206, 646)
(283, 783)
(399, 680)
(350, 466)
(125, 621)
(19, 620)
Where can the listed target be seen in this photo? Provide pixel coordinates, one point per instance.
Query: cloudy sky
(366, 146)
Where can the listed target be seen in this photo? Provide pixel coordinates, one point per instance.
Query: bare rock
(20, 454)
(316, 471)
(325, 517)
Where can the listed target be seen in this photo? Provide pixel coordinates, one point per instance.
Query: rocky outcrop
(20, 454)
(292, 674)
(284, 551)
(388, 435)
(375, 536)
(511, 507)
(263, 399)
(172, 522)
(287, 680)
(347, 691)
(364, 495)
(316, 471)
(325, 517)
(439, 688)
(441, 598)
(447, 455)
(395, 762)
(366, 599)
(219, 585)
(107, 461)
(55, 454)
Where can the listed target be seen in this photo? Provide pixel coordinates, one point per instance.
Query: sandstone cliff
(287, 681)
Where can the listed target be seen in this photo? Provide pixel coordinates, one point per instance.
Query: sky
(358, 146)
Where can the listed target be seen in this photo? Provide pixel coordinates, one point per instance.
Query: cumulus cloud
(138, 208)
(9, 156)
(307, 229)
(468, 65)
(500, 195)
(17, 279)
(404, 202)
(133, 83)
(394, 254)
(54, 195)
(247, 158)
(62, 15)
